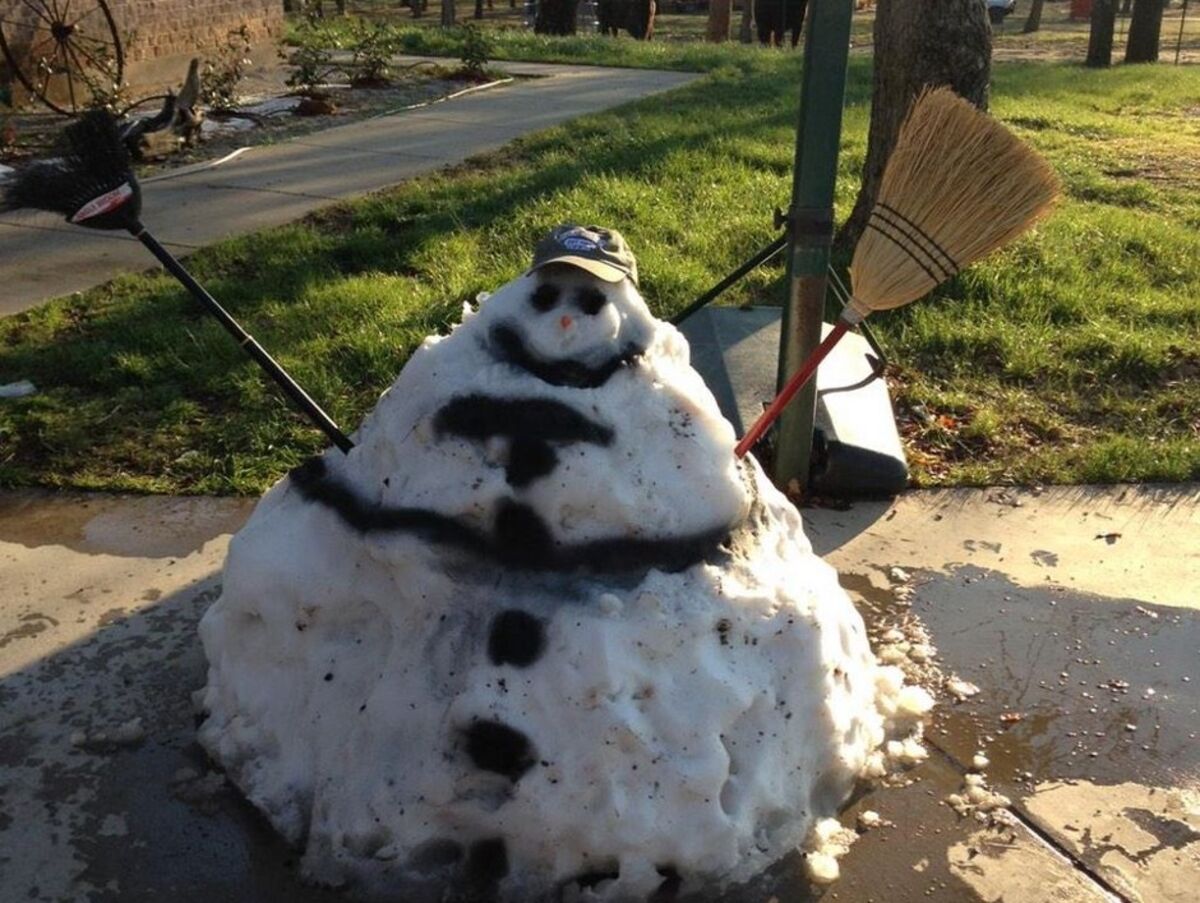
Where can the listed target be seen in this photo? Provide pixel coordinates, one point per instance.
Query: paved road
(42, 258)
(1073, 609)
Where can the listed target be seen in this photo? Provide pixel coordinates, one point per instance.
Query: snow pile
(540, 633)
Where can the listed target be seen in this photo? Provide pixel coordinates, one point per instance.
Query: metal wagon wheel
(58, 49)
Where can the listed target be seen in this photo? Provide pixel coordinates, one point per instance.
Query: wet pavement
(1074, 611)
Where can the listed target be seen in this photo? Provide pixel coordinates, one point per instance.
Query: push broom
(957, 186)
(92, 184)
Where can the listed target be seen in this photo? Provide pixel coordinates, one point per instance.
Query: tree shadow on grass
(133, 377)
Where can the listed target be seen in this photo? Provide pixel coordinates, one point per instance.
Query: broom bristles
(957, 186)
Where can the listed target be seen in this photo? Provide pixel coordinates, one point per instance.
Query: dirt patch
(1180, 167)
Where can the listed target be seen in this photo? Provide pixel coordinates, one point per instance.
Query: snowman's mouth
(508, 345)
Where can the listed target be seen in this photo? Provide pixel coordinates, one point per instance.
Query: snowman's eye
(544, 297)
(591, 300)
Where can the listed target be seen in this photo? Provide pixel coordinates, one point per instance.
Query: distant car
(999, 9)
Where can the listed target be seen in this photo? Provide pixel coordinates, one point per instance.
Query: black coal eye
(591, 300)
(544, 297)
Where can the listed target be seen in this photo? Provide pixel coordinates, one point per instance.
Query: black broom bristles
(90, 181)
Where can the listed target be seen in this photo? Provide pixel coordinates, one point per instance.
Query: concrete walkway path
(1074, 611)
(41, 257)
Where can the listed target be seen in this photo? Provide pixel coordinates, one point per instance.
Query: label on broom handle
(106, 203)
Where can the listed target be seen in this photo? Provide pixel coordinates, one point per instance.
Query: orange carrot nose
(565, 321)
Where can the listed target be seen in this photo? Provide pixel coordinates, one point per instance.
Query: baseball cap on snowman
(601, 252)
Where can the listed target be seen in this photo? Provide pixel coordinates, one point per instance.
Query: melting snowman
(540, 635)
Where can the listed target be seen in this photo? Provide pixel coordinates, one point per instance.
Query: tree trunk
(719, 14)
(1034, 22)
(448, 13)
(1100, 34)
(746, 29)
(556, 17)
(934, 42)
(1145, 28)
(478, 9)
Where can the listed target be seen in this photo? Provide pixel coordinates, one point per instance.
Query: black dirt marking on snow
(494, 746)
(487, 863)
(671, 883)
(529, 459)
(483, 416)
(516, 638)
(520, 538)
(508, 346)
(544, 297)
(435, 855)
(590, 300)
(531, 425)
(596, 876)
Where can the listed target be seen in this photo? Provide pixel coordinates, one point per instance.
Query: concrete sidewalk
(41, 257)
(1075, 611)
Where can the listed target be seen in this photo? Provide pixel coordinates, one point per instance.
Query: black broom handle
(298, 396)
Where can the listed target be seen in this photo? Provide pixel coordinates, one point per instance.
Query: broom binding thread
(913, 241)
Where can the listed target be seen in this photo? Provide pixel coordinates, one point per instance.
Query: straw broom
(957, 186)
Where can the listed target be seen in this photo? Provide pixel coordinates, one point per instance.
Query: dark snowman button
(496, 747)
(487, 862)
(516, 638)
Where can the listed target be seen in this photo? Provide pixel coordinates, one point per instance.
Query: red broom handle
(794, 385)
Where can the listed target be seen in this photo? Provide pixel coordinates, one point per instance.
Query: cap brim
(597, 268)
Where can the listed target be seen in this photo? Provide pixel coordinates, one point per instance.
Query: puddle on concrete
(1074, 685)
(127, 526)
(1088, 714)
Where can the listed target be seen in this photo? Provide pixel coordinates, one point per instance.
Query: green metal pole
(810, 223)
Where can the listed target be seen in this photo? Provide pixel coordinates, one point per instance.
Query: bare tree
(1100, 34)
(719, 14)
(1034, 21)
(934, 42)
(1145, 29)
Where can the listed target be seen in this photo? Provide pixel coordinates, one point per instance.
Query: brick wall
(165, 28)
(158, 36)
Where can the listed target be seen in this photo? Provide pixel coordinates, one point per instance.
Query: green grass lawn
(678, 36)
(682, 49)
(1072, 357)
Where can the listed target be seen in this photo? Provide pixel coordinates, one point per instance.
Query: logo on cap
(575, 243)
